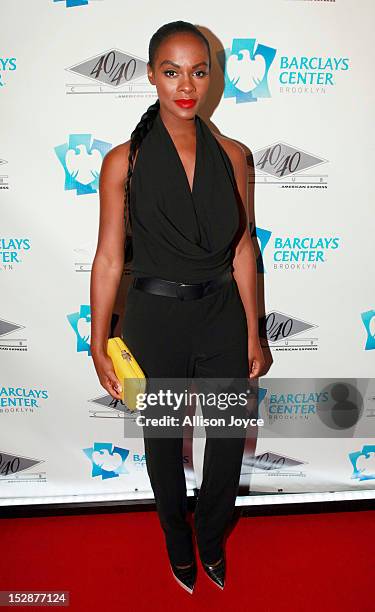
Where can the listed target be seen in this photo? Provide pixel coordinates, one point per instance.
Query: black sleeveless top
(179, 234)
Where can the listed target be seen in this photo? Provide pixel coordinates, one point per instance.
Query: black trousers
(203, 338)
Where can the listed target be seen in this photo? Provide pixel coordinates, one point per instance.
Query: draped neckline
(191, 190)
(181, 233)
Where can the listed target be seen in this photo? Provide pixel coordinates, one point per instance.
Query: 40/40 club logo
(283, 162)
(112, 68)
(81, 157)
(287, 332)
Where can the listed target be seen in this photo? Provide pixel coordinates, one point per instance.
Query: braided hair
(148, 118)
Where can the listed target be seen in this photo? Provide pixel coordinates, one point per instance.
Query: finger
(114, 382)
(251, 365)
(113, 387)
(255, 369)
(112, 392)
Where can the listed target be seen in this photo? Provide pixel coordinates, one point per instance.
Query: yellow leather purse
(127, 370)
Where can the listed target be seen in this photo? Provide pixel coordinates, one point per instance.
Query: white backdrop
(302, 106)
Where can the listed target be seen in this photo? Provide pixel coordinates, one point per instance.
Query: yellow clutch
(127, 370)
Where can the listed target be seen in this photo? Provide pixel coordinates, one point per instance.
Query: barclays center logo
(263, 237)
(72, 3)
(107, 460)
(21, 400)
(12, 251)
(247, 65)
(310, 74)
(300, 405)
(303, 252)
(80, 322)
(81, 157)
(363, 463)
(295, 252)
(368, 320)
(7, 64)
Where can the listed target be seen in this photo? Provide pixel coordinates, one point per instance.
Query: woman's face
(181, 72)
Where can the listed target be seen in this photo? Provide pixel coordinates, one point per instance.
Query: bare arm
(244, 263)
(108, 262)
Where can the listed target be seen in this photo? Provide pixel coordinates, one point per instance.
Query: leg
(222, 354)
(151, 326)
(222, 463)
(166, 472)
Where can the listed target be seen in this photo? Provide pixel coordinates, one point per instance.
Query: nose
(186, 84)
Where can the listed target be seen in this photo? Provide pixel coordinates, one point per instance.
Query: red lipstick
(185, 103)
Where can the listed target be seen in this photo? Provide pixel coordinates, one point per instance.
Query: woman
(191, 310)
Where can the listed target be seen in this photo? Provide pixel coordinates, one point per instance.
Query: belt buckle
(184, 295)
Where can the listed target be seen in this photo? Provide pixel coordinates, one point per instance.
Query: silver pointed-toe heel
(186, 576)
(216, 572)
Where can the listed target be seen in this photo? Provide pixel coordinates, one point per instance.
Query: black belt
(182, 291)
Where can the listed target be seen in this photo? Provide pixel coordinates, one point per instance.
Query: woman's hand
(106, 374)
(257, 362)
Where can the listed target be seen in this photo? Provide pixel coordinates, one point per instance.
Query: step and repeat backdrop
(291, 82)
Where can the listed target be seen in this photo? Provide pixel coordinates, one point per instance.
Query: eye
(170, 73)
(167, 71)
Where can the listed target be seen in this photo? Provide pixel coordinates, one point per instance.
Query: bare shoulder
(233, 149)
(115, 162)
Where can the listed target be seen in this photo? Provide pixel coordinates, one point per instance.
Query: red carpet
(118, 562)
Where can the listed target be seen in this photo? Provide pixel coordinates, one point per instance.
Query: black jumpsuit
(187, 236)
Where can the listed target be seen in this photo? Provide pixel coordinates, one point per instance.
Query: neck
(178, 126)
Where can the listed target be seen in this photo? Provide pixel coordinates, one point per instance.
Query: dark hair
(147, 119)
